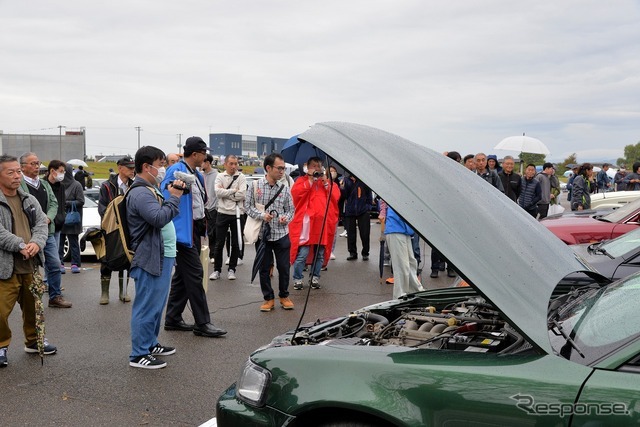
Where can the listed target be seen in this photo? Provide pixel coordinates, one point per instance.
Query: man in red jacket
(311, 194)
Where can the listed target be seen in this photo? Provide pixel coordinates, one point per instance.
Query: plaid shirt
(261, 192)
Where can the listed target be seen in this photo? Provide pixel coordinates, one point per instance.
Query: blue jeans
(52, 266)
(74, 248)
(151, 296)
(301, 258)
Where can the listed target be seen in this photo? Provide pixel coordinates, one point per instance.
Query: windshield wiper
(603, 251)
(569, 340)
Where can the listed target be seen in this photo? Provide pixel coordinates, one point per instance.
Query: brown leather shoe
(268, 305)
(59, 302)
(286, 303)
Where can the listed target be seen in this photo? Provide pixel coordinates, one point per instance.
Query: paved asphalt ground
(89, 381)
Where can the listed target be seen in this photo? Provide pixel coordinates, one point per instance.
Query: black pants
(223, 223)
(186, 285)
(280, 248)
(211, 216)
(364, 228)
(543, 210)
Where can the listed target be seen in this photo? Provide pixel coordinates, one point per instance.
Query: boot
(104, 298)
(123, 291)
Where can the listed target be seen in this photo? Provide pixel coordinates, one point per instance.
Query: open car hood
(503, 252)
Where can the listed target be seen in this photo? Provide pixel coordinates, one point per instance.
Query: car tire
(66, 253)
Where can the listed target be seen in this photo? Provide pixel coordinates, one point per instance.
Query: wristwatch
(23, 245)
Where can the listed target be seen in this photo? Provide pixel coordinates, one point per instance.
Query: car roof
(509, 257)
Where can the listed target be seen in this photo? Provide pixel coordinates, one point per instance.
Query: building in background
(70, 145)
(245, 146)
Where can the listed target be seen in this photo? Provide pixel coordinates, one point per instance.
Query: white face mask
(161, 173)
(59, 177)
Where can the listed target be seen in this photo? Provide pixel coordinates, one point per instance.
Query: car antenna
(315, 255)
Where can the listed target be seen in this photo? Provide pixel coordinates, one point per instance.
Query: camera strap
(232, 181)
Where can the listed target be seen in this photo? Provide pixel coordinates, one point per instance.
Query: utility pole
(60, 140)
(179, 143)
(138, 128)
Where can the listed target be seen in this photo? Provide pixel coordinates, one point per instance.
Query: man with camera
(190, 224)
(231, 189)
(310, 195)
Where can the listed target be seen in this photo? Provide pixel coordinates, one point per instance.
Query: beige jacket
(235, 195)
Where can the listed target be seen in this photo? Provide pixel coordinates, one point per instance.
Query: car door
(609, 398)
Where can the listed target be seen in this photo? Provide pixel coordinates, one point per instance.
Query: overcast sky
(453, 75)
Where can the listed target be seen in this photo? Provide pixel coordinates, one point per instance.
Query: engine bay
(470, 324)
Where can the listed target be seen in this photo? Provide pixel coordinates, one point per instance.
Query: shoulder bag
(253, 225)
(73, 216)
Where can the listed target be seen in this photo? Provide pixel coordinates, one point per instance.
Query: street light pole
(60, 140)
(179, 143)
(138, 128)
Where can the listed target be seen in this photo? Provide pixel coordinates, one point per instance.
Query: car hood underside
(503, 252)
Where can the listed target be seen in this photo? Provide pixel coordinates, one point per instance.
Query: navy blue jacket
(358, 197)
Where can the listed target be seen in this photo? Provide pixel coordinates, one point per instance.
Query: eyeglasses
(31, 163)
(279, 168)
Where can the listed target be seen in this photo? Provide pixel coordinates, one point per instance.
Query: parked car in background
(594, 226)
(90, 218)
(535, 325)
(613, 199)
(614, 259)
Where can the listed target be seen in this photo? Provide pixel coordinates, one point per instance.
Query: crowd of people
(178, 206)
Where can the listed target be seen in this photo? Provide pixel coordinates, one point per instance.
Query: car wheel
(66, 254)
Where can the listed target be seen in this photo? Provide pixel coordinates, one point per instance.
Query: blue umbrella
(297, 152)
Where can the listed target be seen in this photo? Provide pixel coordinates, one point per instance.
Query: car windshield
(624, 244)
(89, 203)
(599, 321)
(622, 212)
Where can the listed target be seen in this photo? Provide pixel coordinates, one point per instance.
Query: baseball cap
(194, 144)
(126, 161)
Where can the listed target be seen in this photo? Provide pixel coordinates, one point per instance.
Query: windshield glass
(599, 321)
(622, 212)
(623, 244)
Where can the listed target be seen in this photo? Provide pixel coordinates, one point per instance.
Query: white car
(613, 199)
(90, 218)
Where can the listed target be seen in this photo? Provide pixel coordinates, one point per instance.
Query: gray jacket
(146, 217)
(9, 242)
(545, 187)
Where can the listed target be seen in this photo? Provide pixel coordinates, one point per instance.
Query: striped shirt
(261, 192)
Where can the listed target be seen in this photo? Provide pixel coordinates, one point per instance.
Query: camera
(186, 188)
(317, 174)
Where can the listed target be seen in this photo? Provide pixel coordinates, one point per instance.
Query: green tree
(572, 159)
(536, 159)
(631, 155)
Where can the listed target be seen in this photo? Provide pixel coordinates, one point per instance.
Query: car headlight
(253, 383)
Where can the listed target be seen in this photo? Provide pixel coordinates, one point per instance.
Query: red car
(593, 226)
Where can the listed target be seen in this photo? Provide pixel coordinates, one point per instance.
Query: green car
(538, 338)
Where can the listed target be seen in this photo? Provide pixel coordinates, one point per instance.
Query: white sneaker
(343, 234)
(231, 275)
(215, 275)
(240, 262)
(332, 256)
(227, 261)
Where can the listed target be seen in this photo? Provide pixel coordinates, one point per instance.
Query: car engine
(469, 325)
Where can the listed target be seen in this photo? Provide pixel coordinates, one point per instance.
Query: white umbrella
(77, 162)
(523, 144)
